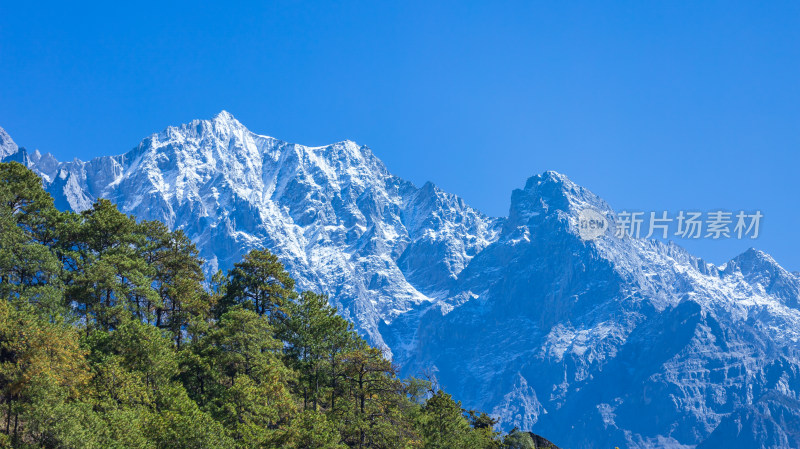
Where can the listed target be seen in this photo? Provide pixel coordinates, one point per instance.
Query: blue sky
(653, 105)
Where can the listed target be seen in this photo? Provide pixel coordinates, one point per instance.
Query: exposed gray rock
(611, 342)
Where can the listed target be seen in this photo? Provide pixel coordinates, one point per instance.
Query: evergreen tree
(372, 417)
(483, 434)
(240, 378)
(29, 271)
(184, 303)
(259, 283)
(312, 430)
(518, 440)
(43, 371)
(442, 424)
(109, 276)
(109, 339)
(316, 339)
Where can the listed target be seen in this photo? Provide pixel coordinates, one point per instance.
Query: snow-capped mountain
(7, 145)
(342, 224)
(619, 342)
(610, 342)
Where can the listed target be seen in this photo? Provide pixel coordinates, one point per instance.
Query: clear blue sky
(652, 105)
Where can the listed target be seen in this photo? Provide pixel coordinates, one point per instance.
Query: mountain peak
(549, 177)
(558, 190)
(224, 120)
(7, 145)
(758, 267)
(225, 116)
(551, 193)
(525, 318)
(754, 260)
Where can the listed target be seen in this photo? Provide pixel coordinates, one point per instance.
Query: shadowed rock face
(541, 442)
(603, 343)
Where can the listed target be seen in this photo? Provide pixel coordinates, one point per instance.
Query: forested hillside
(110, 337)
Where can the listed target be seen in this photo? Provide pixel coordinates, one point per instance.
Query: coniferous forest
(111, 337)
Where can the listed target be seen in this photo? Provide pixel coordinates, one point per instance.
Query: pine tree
(178, 279)
(240, 378)
(259, 283)
(518, 440)
(109, 276)
(312, 430)
(108, 338)
(29, 271)
(442, 424)
(371, 415)
(316, 337)
(42, 368)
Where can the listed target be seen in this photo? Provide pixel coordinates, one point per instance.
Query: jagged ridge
(620, 342)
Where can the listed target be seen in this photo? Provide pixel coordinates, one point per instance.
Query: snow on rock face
(342, 224)
(7, 145)
(611, 342)
(624, 342)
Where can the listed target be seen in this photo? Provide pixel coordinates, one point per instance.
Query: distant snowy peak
(609, 332)
(762, 271)
(7, 145)
(582, 339)
(551, 198)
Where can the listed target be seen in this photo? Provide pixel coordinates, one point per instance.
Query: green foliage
(518, 440)
(317, 341)
(313, 430)
(110, 337)
(259, 283)
(442, 424)
(239, 378)
(29, 271)
(42, 371)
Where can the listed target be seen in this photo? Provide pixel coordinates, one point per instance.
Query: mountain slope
(612, 342)
(337, 218)
(615, 342)
(7, 145)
